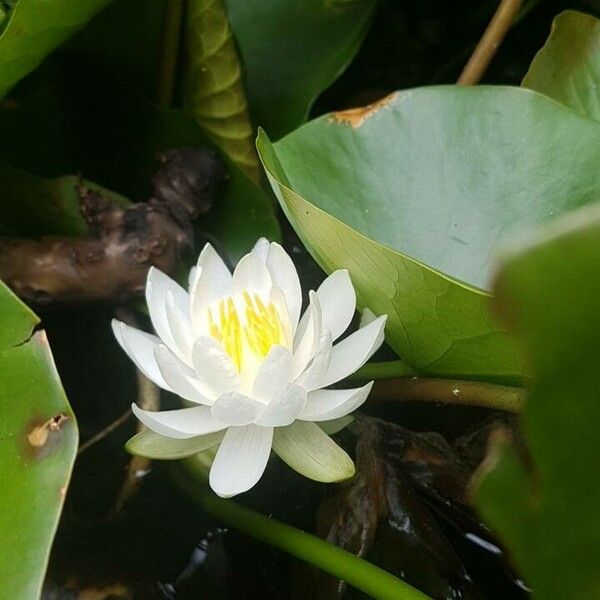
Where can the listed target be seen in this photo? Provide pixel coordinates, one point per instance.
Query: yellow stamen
(260, 331)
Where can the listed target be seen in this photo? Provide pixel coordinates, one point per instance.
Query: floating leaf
(567, 68)
(547, 292)
(34, 29)
(412, 194)
(214, 91)
(286, 68)
(38, 441)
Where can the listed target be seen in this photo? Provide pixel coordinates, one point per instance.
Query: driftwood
(111, 263)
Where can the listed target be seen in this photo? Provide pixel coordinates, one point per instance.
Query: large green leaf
(287, 67)
(547, 292)
(34, 29)
(567, 68)
(411, 196)
(38, 442)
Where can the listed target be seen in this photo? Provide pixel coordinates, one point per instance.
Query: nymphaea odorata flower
(252, 371)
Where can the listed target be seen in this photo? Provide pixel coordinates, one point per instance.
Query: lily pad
(567, 68)
(38, 442)
(412, 194)
(547, 293)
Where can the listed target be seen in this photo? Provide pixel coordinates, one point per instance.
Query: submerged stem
(451, 391)
(359, 573)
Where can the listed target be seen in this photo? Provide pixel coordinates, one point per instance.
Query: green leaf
(287, 67)
(214, 91)
(38, 442)
(34, 29)
(36, 206)
(547, 292)
(155, 446)
(306, 448)
(567, 68)
(412, 194)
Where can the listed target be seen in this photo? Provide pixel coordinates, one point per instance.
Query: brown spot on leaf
(41, 436)
(355, 117)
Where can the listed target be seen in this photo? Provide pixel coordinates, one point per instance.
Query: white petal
(338, 302)
(213, 283)
(312, 376)
(325, 405)
(335, 425)
(309, 450)
(285, 276)
(152, 445)
(214, 273)
(367, 316)
(251, 274)
(193, 276)
(354, 351)
(139, 346)
(261, 249)
(214, 366)
(284, 407)
(182, 379)
(241, 459)
(274, 374)
(157, 286)
(182, 423)
(181, 328)
(277, 299)
(234, 408)
(307, 335)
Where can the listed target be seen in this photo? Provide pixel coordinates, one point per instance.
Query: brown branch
(112, 262)
(450, 391)
(490, 41)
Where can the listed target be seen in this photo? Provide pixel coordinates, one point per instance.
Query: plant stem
(169, 52)
(450, 391)
(359, 573)
(490, 42)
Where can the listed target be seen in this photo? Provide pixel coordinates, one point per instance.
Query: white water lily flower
(236, 348)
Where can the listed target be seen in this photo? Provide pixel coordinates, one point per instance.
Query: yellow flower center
(258, 330)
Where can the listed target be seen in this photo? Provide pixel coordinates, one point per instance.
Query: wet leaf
(38, 441)
(412, 194)
(34, 29)
(547, 292)
(381, 513)
(286, 68)
(567, 68)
